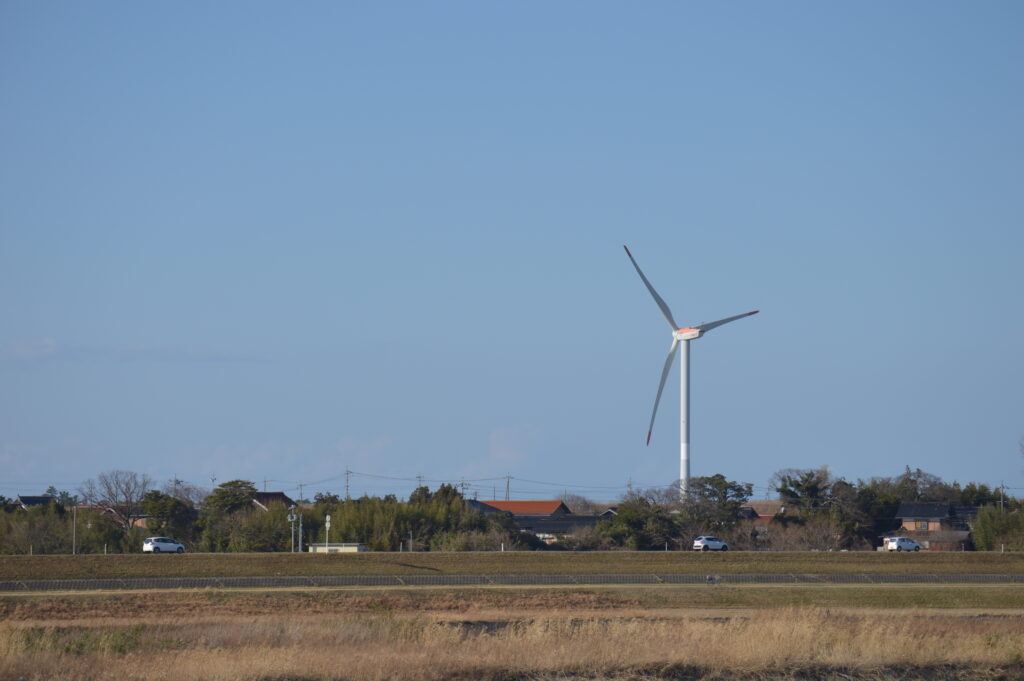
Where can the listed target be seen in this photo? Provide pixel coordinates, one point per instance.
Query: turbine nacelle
(687, 334)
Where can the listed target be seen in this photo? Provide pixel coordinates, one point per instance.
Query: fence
(494, 580)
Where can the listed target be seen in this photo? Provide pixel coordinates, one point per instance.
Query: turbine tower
(681, 337)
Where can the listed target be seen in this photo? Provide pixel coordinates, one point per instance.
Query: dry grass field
(551, 643)
(527, 562)
(753, 633)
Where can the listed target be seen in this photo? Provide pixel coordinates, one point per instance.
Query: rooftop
(548, 507)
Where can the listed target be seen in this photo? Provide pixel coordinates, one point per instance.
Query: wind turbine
(681, 337)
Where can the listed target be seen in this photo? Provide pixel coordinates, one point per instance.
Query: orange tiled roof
(529, 507)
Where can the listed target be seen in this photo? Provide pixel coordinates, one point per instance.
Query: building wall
(336, 548)
(922, 525)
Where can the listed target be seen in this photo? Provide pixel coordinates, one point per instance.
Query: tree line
(819, 512)
(823, 512)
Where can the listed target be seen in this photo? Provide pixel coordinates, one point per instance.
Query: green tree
(40, 529)
(99, 531)
(231, 496)
(63, 497)
(918, 485)
(993, 528)
(169, 515)
(713, 503)
(976, 494)
(641, 525)
(806, 490)
(258, 530)
(221, 517)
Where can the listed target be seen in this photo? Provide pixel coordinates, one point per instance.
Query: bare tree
(581, 505)
(185, 491)
(118, 493)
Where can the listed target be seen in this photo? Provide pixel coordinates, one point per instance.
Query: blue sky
(278, 241)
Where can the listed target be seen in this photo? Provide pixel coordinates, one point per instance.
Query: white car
(709, 543)
(162, 545)
(900, 544)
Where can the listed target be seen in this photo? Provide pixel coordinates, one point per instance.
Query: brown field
(692, 633)
(527, 562)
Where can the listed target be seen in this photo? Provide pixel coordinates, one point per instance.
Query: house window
(922, 524)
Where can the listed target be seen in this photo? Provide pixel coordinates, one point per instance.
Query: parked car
(162, 545)
(900, 544)
(709, 543)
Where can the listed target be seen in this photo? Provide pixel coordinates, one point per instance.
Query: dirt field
(570, 563)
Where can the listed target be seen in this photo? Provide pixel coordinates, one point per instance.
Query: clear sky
(282, 240)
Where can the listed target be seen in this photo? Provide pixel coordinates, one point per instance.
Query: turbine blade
(711, 325)
(661, 386)
(661, 303)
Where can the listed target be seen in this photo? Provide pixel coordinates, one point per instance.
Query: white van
(900, 544)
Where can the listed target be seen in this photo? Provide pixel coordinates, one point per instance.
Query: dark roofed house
(937, 526)
(27, 502)
(547, 519)
(263, 500)
(923, 516)
(764, 511)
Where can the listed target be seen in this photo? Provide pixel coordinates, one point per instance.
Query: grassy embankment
(615, 562)
(498, 602)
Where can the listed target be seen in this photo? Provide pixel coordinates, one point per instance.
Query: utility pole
(419, 480)
(348, 473)
(291, 521)
(508, 480)
(298, 503)
(264, 484)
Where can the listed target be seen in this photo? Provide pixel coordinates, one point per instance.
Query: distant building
(938, 526)
(27, 502)
(336, 547)
(547, 519)
(548, 509)
(763, 512)
(932, 517)
(263, 500)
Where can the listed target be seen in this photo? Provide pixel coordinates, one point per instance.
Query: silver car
(162, 545)
(900, 544)
(709, 543)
